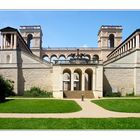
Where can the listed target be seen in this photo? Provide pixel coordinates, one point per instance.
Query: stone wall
(118, 80)
(34, 72)
(11, 74)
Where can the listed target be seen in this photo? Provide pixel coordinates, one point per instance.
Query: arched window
(66, 79)
(53, 59)
(46, 58)
(111, 41)
(96, 58)
(29, 38)
(8, 59)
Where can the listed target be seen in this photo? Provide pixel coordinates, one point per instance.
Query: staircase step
(78, 94)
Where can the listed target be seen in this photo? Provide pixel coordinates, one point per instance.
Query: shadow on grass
(6, 100)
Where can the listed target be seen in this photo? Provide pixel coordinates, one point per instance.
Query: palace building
(114, 66)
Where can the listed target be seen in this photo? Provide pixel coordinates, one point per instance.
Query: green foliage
(37, 92)
(70, 123)
(39, 106)
(112, 94)
(6, 88)
(130, 94)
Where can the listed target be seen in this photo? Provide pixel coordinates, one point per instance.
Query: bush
(112, 94)
(6, 88)
(130, 94)
(37, 92)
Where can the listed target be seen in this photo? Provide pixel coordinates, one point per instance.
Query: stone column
(1, 44)
(94, 80)
(83, 81)
(4, 41)
(15, 41)
(133, 42)
(137, 41)
(72, 81)
(11, 40)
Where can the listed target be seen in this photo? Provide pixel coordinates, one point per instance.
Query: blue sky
(71, 28)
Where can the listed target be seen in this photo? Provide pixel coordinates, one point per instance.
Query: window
(111, 41)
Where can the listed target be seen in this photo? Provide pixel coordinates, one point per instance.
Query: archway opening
(111, 41)
(66, 80)
(96, 59)
(62, 59)
(30, 40)
(53, 59)
(77, 79)
(46, 58)
(88, 79)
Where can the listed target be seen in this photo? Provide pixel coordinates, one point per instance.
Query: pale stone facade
(112, 67)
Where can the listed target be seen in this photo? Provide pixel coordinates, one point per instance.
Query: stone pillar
(15, 41)
(72, 81)
(83, 81)
(1, 40)
(11, 40)
(137, 41)
(133, 42)
(4, 41)
(94, 80)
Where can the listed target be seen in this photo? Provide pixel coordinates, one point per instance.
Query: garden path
(89, 110)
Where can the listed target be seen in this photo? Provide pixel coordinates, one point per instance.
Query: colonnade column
(4, 41)
(1, 41)
(72, 80)
(137, 41)
(15, 40)
(94, 80)
(11, 40)
(83, 81)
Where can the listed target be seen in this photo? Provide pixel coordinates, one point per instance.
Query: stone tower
(33, 37)
(109, 36)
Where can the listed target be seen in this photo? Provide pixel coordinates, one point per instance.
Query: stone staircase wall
(78, 94)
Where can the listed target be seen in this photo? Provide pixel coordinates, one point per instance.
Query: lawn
(120, 105)
(39, 106)
(79, 123)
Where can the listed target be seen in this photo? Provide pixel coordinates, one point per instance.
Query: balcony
(77, 62)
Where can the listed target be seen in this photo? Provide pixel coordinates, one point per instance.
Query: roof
(137, 30)
(8, 29)
(106, 27)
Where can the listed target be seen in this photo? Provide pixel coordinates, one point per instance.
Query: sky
(71, 28)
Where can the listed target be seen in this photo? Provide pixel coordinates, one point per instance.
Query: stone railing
(126, 47)
(76, 61)
(71, 48)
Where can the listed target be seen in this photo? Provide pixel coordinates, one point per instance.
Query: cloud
(84, 46)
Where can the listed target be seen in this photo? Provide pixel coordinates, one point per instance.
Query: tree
(6, 88)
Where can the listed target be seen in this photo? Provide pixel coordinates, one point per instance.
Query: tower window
(111, 41)
(29, 38)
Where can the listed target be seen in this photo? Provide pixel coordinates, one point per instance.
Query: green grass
(120, 105)
(98, 123)
(39, 106)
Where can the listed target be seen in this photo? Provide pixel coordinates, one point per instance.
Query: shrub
(6, 88)
(130, 94)
(37, 92)
(112, 94)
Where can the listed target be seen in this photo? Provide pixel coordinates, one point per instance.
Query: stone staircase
(77, 94)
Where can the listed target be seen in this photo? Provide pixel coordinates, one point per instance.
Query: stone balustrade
(126, 47)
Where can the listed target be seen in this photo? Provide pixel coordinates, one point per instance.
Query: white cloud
(84, 46)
